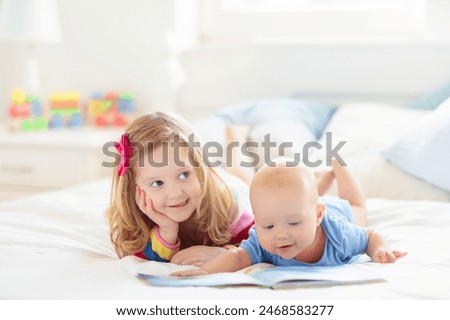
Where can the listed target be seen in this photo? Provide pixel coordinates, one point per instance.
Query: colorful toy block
(25, 113)
(111, 109)
(125, 104)
(65, 110)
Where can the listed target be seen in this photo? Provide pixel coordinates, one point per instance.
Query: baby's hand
(196, 255)
(189, 273)
(387, 256)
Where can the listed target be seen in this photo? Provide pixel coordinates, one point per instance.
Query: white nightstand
(39, 161)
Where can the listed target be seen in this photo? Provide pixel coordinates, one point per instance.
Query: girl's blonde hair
(129, 227)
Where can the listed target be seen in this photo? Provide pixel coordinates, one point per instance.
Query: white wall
(338, 71)
(342, 72)
(107, 45)
(121, 45)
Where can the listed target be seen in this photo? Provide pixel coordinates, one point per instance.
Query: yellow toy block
(18, 97)
(96, 107)
(64, 96)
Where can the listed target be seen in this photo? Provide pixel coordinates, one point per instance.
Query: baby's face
(286, 225)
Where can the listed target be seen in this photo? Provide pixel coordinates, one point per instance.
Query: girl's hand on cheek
(167, 227)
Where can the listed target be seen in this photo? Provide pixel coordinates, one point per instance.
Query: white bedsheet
(56, 246)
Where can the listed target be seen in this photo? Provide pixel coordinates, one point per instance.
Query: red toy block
(100, 121)
(119, 120)
(20, 110)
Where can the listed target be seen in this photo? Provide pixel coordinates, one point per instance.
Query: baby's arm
(379, 251)
(230, 261)
(196, 255)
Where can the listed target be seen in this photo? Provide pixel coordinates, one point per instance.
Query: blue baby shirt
(345, 240)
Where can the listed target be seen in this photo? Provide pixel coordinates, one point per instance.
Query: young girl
(165, 198)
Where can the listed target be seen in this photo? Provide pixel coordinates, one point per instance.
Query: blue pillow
(313, 115)
(432, 100)
(424, 150)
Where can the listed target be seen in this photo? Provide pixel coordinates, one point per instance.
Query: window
(311, 18)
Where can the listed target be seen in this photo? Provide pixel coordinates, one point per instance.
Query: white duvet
(56, 245)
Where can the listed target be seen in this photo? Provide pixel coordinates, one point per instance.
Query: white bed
(56, 245)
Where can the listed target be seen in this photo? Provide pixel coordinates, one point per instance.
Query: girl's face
(170, 181)
(286, 225)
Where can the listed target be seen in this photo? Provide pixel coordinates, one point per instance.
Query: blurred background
(196, 56)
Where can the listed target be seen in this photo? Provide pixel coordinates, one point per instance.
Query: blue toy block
(36, 109)
(76, 121)
(97, 96)
(125, 106)
(56, 122)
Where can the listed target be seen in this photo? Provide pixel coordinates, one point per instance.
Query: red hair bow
(123, 147)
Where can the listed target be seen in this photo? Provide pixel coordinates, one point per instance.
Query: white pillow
(424, 150)
(368, 128)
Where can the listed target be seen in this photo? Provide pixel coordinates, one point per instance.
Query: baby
(293, 226)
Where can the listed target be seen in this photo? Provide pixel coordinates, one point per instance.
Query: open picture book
(270, 276)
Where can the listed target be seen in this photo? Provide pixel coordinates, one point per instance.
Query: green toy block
(32, 98)
(34, 124)
(125, 96)
(65, 112)
(107, 105)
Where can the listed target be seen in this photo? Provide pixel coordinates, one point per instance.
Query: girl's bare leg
(350, 189)
(235, 136)
(238, 135)
(324, 179)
